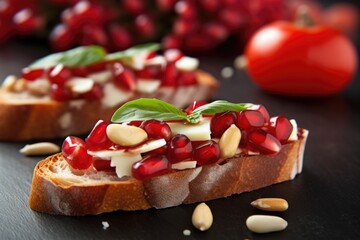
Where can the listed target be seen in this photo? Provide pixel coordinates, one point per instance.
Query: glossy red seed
(220, 122)
(62, 37)
(120, 37)
(135, 123)
(182, 27)
(264, 112)
(170, 75)
(93, 34)
(264, 142)
(134, 7)
(151, 166)
(187, 78)
(145, 26)
(157, 129)
(210, 6)
(71, 19)
(186, 9)
(60, 93)
(215, 30)
(171, 41)
(102, 164)
(179, 148)
(232, 18)
(150, 72)
(75, 153)
(207, 153)
(248, 119)
(97, 139)
(166, 5)
(79, 71)
(25, 21)
(123, 77)
(32, 74)
(172, 55)
(97, 67)
(281, 128)
(89, 12)
(60, 74)
(194, 106)
(95, 93)
(161, 150)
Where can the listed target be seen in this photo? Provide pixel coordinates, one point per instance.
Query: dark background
(323, 200)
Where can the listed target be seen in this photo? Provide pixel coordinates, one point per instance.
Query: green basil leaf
(147, 108)
(80, 56)
(218, 107)
(128, 53)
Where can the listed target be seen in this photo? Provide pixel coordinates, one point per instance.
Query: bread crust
(53, 193)
(24, 119)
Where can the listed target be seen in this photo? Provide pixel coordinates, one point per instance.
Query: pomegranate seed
(32, 74)
(264, 142)
(281, 129)
(172, 55)
(171, 41)
(207, 153)
(62, 38)
(194, 106)
(135, 123)
(60, 93)
(75, 153)
(121, 38)
(95, 93)
(151, 166)
(7, 9)
(88, 12)
(123, 77)
(166, 5)
(157, 129)
(216, 31)
(97, 67)
(25, 21)
(134, 7)
(186, 9)
(179, 148)
(182, 27)
(102, 164)
(71, 19)
(220, 122)
(161, 150)
(210, 6)
(97, 139)
(60, 74)
(199, 42)
(79, 71)
(170, 75)
(232, 18)
(150, 72)
(249, 119)
(187, 78)
(145, 25)
(93, 34)
(265, 113)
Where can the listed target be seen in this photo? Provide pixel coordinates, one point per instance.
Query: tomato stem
(303, 18)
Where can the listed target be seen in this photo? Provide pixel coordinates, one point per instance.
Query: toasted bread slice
(25, 117)
(57, 189)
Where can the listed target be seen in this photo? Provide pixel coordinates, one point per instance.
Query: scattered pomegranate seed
(249, 119)
(89, 12)
(170, 75)
(151, 166)
(207, 153)
(264, 142)
(215, 30)
(210, 6)
(60, 74)
(135, 123)
(134, 7)
(179, 148)
(72, 20)
(62, 38)
(120, 37)
(161, 150)
(281, 129)
(97, 139)
(194, 106)
(25, 21)
(166, 5)
(182, 27)
(95, 93)
(187, 78)
(32, 74)
(102, 164)
(93, 34)
(79, 71)
(97, 67)
(145, 25)
(231, 18)
(75, 153)
(123, 77)
(186, 9)
(264, 112)
(157, 129)
(220, 122)
(60, 93)
(171, 41)
(150, 72)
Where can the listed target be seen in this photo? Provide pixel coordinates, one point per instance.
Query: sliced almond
(202, 217)
(20, 85)
(125, 135)
(184, 165)
(9, 83)
(270, 204)
(39, 87)
(187, 64)
(229, 142)
(80, 85)
(41, 148)
(265, 223)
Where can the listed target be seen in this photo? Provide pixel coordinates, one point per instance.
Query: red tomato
(287, 59)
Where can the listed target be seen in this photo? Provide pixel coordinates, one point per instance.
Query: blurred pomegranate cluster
(190, 25)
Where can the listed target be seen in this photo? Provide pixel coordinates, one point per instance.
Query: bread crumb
(105, 224)
(227, 72)
(187, 232)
